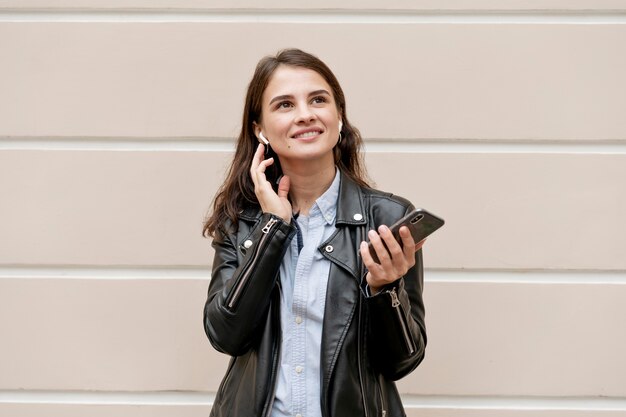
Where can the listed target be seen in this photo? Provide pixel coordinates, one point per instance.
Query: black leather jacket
(367, 342)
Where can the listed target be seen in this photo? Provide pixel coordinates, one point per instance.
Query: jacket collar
(350, 209)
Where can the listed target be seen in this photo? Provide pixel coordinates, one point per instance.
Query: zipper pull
(395, 301)
(268, 226)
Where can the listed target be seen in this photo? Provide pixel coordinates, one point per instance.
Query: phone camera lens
(417, 218)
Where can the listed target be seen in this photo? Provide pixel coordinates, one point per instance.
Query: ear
(259, 134)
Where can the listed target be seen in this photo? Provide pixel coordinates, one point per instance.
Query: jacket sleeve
(239, 293)
(396, 327)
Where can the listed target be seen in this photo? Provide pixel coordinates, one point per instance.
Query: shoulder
(386, 199)
(247, 218)
(385, 207)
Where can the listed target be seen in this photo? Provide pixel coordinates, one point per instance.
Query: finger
(264, 164)
(260, 169)
(258, 156)
(366, 256)
(260, 172)
(401, 259)
(408, 248)
(377, 275)
(256, 160)
(380, 249)
(408, 244)
(393, 246)
(283, 187)
(419, 244)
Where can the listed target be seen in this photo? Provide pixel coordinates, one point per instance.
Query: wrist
(373, 289)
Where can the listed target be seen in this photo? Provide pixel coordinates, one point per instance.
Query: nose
(304, 114)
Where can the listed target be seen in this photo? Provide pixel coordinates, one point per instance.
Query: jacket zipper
(233, 298)
(358, 358)
(275, 360)
(382, 401)
(268, 226)
(395, 303)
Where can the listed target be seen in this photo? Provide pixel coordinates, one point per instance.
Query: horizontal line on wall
(198, 144)
(181, 398)
(431, 275)
(527, 277)
(190, 398)
(333, 16)
(515, 403)
(105, 272)
(496, 146)
(182, 144)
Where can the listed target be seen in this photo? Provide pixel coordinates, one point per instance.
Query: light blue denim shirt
(303, 277)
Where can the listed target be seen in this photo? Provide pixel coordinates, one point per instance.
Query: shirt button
(247, 244)
(299, 369)
(329, 248)
(298, 319)
(358, 217)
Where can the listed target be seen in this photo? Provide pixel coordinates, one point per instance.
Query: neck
(307, 185)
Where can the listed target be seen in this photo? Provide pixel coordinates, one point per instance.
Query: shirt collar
(327, 202)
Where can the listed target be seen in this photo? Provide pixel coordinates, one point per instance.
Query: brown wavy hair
(237, 192)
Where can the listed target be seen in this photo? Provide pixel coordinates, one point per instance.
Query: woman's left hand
(394, 263)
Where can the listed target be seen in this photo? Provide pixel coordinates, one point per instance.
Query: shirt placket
(312, 234)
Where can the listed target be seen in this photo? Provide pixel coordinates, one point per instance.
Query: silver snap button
(358, 217)
(247, 244)
(329, 248)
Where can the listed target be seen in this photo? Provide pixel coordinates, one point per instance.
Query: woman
(314, 326)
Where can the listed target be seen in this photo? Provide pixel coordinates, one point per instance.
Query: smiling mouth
(307, 134)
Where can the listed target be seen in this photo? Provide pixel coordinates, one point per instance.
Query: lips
(307, 133)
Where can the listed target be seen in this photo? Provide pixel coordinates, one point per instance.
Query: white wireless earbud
(263, 139)
(340, 126)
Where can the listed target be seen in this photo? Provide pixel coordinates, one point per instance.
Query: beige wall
(116, 123)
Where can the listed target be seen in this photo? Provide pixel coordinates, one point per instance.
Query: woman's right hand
(270, 201)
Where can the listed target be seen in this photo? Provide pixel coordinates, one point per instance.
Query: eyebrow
(288, 96)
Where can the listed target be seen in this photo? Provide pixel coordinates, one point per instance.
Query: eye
(283, 105)
(319, 99)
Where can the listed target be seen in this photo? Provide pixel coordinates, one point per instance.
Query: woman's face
(299, 116)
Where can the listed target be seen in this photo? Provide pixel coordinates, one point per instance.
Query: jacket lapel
(343, 290)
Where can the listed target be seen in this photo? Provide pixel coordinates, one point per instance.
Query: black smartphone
(420, 222)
